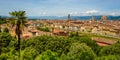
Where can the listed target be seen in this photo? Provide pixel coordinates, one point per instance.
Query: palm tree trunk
(19, 45)
(18, 36)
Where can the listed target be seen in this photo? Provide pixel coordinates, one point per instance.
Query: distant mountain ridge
(72, 17)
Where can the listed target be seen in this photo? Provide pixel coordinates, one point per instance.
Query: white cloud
(74, 13)
(114, 13)
(91, 12)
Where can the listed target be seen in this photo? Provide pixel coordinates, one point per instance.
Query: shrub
(29, 53)
(111, 50)
(47, 55)
(80, 52)
(45, 29)
(109, 57)
(6, 30)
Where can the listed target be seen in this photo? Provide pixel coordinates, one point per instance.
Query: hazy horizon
(72, 17)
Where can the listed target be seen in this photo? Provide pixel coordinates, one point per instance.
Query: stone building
(103, 18)
(92, 19)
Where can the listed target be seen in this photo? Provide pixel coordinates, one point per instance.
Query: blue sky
(61, 7)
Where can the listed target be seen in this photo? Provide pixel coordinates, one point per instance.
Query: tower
(103, 18)
(92, 19)
(69, 17)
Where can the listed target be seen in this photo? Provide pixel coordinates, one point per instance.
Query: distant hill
(4, 16)
(72, 17)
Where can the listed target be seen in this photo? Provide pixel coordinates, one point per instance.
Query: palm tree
(18, 22)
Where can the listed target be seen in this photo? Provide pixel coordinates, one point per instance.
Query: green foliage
(47, 55)
(111, 50)
(11, 55)
(45, 29)
(43, 43)
(45, 47)
(3, 56)
(109, 57)
(2, 20)
(6, 30)
(29, 53)
(73, 34)
(89, 42)
(13, 43)
(80, 52)
(5, 39)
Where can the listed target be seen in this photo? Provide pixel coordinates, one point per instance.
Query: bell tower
(69, 17)
(103, 18)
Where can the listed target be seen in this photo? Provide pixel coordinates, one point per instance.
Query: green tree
(5, 39)
(110, 50)
(80, 52)
(109, 57)
(2, 20)
(19, 24)
(6, 30)
(45, 29)
(53, 43)
(47, 55)
(89, 42)
(11, 55)
(73, 34)
(29, 53)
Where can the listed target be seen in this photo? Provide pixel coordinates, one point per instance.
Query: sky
(61, 7)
